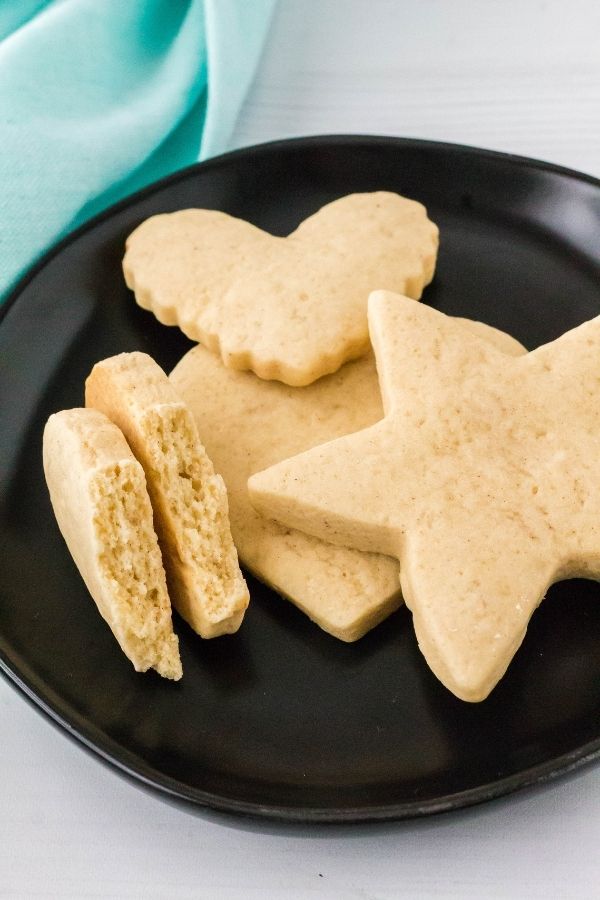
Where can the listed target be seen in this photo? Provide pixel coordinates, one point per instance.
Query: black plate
(282, 720)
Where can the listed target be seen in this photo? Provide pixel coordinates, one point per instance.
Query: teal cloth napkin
(100, 97)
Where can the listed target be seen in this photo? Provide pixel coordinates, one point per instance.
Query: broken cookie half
(98, 493)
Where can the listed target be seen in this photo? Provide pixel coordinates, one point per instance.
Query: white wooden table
(517, 76)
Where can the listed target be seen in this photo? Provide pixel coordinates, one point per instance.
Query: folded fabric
(99, 97)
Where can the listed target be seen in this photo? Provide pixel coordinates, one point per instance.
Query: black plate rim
(144, 776)
(80, 728)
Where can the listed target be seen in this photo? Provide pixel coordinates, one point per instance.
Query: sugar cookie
(293, 308)
(98, 493)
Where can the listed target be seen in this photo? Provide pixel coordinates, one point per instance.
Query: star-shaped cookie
(291, 309)
(483, 479)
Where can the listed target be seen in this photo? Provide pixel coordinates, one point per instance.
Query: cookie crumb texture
(98, 491)
(129, 560)
(289, 309)
(188, 498)
(193, 499)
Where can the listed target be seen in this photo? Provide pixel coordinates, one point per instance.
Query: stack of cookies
(372, 448)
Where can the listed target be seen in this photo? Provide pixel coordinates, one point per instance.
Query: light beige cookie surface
(482, 479)
(98, 493)
(248, 424)
(188, 498)
(291, 309)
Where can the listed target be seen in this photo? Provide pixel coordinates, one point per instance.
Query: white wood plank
(523, 77)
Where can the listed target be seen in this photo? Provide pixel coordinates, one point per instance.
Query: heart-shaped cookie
(291, 309)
